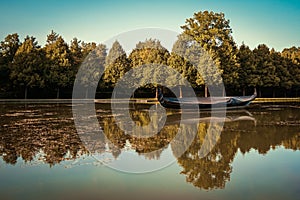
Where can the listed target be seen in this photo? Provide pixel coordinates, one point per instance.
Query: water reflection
(46, 133)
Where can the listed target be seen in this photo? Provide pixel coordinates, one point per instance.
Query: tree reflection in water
(47, 133)
(213, 171)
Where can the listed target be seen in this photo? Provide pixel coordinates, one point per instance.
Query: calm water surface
(42, 156)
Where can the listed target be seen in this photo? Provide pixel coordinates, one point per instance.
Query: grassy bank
(138, 100)
(276, 100)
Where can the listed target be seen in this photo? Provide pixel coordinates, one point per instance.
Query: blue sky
(273, 22)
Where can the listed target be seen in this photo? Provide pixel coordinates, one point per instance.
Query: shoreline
(135, 100)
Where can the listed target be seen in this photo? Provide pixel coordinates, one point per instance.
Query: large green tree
(193, 62)
(115, 52)
(282, 72)
(28, 66)
(178, 60)
(76, 52)
(8, 48)
(265, 68)
(212, 31)
(247, 74)
(60, 70)
(292, 59)
(91, 69)
(116, 64)
(152, 53)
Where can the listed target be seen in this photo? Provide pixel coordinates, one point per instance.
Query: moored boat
(234, 102)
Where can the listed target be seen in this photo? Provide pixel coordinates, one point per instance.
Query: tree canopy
(27, 70)
(204, 51)
(212, 31)
(117, 64)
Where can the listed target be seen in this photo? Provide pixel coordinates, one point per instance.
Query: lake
(43, 156)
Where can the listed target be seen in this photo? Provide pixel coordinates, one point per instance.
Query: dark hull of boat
(206, 103)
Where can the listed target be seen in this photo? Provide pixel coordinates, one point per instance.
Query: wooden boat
(234, 102)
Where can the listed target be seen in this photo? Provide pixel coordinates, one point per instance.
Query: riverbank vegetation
(29, 70)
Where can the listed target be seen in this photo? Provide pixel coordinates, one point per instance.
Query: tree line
(29, 70)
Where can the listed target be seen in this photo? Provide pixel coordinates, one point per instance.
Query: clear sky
(273, 22)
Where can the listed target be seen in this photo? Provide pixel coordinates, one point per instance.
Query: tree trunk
(26, 92)
(244, 92)
(57, 94)
(296, 92)
(285, 93)
(274, 93)
(205, 91)
(180, 92)
(223, 92)
(86, 93)
(156, 92)
(259, 92)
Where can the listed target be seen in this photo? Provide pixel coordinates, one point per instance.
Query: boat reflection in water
(45, 134)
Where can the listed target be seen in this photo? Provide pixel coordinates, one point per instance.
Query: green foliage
(28, 65)
(265, 67)
(292, 53)
(282, 72)
(292, 60)
(179, 61)
(60, 72)
(203, 52)
(9, 47)
(152, 54)
(115, 52)
(87, 48)
(76, 52)
(150, 51)
(52, 37)
(247, 70)
(212, 31)
(92, 67)
(117, 64)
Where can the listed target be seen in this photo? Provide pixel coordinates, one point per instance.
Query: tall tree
(193, 62)
(212, 31)
(91, 68)
(178, 60)
(76, 52)
(27, 69)
(247, 75)
(149, 52)
(282, 72)
(116, 64)
(115, 52)
(265, 68)
(9, 47)
(60, 69)
(292, 59)
(77, 55)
